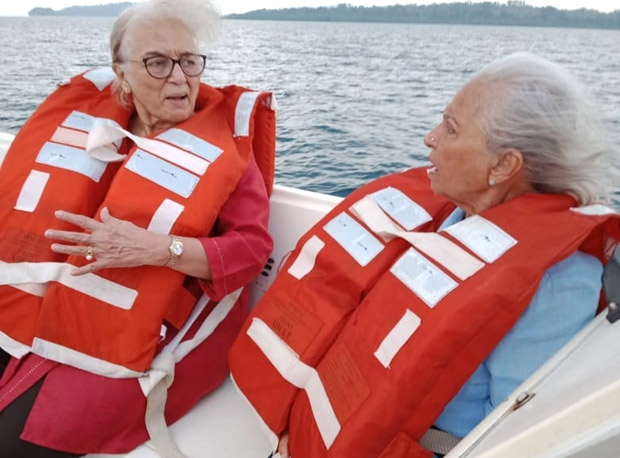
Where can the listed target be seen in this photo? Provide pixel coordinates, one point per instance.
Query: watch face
(177, 248)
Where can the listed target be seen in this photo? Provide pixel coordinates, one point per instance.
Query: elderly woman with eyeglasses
(134, 205)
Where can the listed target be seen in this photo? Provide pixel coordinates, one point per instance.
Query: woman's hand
(111, 243)
(283, 447)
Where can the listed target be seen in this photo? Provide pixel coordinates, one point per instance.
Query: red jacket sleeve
(241, 244)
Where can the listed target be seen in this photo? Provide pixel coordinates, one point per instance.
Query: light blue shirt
(565, 302)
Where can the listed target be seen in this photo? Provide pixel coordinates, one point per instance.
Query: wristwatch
(175, 249)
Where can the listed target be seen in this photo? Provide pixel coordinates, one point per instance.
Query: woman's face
(461, 161)
(159, 103)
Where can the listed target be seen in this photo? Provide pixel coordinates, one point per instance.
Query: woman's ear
(510, 163)
(118, 70)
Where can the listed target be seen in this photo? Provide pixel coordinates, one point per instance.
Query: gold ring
(89, 253)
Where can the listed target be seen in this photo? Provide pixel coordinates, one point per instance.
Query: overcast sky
(21, 7)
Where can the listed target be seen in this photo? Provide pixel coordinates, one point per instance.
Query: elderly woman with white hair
(433, 293)
(135, 206)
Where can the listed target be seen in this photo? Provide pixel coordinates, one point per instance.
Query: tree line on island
(514, 12)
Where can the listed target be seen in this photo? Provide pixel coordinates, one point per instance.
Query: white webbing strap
(106, 132)
(160, 376)
(20, 273)
(100, 77)
(32, 190)
(76, 358)
(243, 113)
(447, 253)
(13, 347)
(299, 374)
(306, 259)
(165, 216)
(397, 337)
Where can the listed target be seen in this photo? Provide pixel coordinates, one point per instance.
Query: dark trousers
(12, 421)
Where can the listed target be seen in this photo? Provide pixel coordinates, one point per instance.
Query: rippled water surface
(355, 99)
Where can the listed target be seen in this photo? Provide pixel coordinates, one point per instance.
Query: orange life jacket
(46, 169)
(173, 183)
(419, 329)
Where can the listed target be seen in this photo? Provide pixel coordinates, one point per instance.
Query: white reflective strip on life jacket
(165, 217)
(85, 122)
(189, 142)
(594, 210)
(70, 137)
(155, 382)
(401, 208)
(447, 253)
(80, 121)
(299, 374)
(13, 347)
(422, 277)
(243, 113)
(103, 133)
(304, 263)
(397, 337)
(482, 237)
(73, 159)
(92, 285)
(163, 173)
(100, 77)
(354, 238)
(65, 355)
(32, 190)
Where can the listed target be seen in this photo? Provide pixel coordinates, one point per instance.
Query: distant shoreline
(514, 13)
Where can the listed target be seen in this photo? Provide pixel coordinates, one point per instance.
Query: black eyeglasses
(161, 67)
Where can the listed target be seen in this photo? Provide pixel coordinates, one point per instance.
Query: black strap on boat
(438, 441)
(611, 285)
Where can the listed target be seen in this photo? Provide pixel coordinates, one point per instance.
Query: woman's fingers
(78, 250)
(79, 220)
(87, 268)
(106, 217)
(110, 243)
(66, 236)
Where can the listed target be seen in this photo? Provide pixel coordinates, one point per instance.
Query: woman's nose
(177, 73)
(429, 139)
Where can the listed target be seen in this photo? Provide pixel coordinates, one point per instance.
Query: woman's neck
(138, 127)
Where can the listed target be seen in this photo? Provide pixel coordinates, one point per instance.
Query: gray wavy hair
(535, 106)
(200, 17)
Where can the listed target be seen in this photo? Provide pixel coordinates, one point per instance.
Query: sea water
(355, 99)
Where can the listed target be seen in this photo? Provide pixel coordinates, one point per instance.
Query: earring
(125, 87)
(492, 181)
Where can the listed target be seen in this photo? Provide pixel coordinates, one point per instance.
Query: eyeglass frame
(174, 62)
